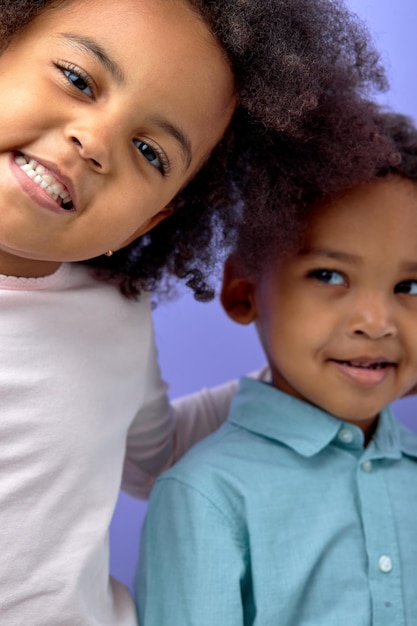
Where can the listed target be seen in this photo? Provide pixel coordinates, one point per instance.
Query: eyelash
(164, 165)
(318, 275)
(397, 288)
(69, 69)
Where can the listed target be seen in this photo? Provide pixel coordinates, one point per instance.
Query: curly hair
(303, 70)
(402, 132)
(279, 226)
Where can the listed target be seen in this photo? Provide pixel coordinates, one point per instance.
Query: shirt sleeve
(192, 563)
(161, 432)
(199, 414)
(150, 438)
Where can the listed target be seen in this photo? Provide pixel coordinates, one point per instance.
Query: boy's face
(338, 319)
(119, 103)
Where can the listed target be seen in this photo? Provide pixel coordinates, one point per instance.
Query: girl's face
(107, 110)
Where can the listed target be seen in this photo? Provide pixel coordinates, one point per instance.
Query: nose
(84, 152)
(372, 316)
(92, 144)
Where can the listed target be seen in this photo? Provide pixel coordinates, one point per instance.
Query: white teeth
(57, 188)
(373, 366)
(40, 175)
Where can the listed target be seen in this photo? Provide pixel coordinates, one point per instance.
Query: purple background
(198, 345)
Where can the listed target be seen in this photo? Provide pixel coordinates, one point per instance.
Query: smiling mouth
(42, 177)
(367, 365)
(364, 371)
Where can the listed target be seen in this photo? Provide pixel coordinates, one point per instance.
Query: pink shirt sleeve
(162, 432)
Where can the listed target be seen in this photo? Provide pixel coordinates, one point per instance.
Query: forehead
(130, 20)
(137, 29)
(378, 212)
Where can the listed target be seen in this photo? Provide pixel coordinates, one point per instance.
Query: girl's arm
(162, 432)
(201, 413)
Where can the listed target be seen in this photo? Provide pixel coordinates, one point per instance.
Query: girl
(110, 116)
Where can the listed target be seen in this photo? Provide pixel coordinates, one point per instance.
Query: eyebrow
(406, 266)
(410, 266)
(92, 47)
(331, 254)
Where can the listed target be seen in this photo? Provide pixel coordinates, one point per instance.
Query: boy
(301, 510)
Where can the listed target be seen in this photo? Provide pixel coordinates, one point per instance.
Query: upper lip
(54, 169)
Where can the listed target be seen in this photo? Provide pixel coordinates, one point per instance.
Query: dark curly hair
(303, 180)
(303, 69)
(402, 132)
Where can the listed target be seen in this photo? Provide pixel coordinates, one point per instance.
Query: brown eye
(331, 277)
(78, 80)
(408, 287)
(154, 156)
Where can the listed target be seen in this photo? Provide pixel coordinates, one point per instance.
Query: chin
(357, 416)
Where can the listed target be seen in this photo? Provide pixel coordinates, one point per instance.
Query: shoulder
(83, 286)
(225, 468)
(101, 316)
(202, 489)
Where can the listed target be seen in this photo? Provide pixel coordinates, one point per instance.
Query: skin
(338, 318)
(122, 141)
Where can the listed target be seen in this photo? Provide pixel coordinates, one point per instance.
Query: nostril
(80, 145)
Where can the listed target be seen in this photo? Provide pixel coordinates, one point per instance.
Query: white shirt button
(345, 435)
(385, 564)
(366, 466)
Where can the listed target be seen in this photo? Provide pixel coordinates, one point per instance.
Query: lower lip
(363, 376)
(32, 189)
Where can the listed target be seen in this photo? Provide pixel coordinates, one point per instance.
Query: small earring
(109, 253)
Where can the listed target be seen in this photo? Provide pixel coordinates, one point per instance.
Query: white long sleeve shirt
(80, 387)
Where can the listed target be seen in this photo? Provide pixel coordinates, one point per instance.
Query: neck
(369, 428)
(25, 268)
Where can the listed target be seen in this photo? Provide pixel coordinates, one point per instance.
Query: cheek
(280, 333)
(129, 205)
(410, 343)
(300, 331)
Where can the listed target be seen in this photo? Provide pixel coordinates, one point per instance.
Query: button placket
(381, 539)
(385, 564)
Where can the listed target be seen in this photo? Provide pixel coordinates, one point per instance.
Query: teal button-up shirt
(283, 518)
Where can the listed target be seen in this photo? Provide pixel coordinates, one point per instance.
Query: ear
(148, 225)
(238, 293)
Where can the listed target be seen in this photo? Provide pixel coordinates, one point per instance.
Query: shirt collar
(391, 434)
(264, 410)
